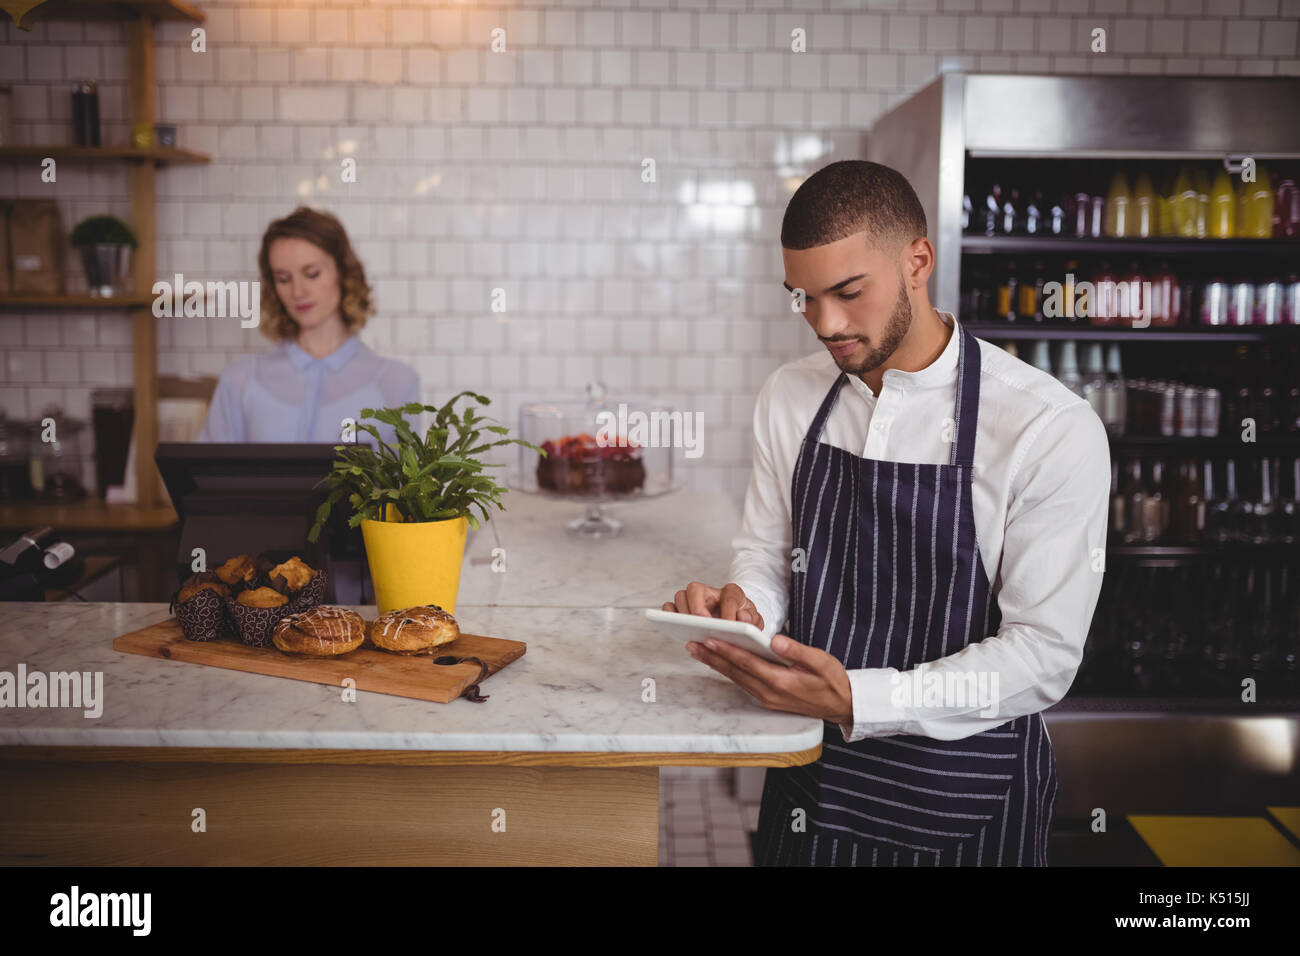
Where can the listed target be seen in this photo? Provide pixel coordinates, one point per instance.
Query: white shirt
(1040, 490)
(286, 395)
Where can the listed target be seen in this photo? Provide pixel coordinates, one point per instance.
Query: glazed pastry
(262, 597)
(203, 581)
(324, 631)
(414, 630)
(296, 573)
(238, 570)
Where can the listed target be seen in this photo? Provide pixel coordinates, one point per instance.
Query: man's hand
(817, 685)
(728, 603)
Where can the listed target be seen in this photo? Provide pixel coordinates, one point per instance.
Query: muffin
(295, 573)
(324, 631)
(238, 571)
(255, 613)
(200, 607)
(414, 630)
(262, 597)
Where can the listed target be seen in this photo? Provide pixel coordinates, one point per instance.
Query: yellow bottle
(1165, 208)
(1118, 202)
(1185, 204)
(1255, 207)
(1222, 218)
(1143, 209)
(1201, 181)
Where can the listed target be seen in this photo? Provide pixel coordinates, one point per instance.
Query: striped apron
(893, 578)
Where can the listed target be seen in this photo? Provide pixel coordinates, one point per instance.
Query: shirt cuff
(875, 714)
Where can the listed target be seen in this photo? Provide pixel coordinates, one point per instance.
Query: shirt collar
(942, 371)
(334, 361)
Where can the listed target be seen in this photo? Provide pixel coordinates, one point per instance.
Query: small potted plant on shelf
(415, 499)
(105, 243)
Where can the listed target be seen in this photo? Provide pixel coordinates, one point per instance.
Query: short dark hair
(849, 197)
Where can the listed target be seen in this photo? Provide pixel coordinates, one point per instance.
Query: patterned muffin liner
(256, 624)
(203, 617)
(311, 594)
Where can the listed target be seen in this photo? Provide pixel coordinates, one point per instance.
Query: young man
(931, 514)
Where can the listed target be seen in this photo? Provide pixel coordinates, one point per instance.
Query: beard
(900, 320)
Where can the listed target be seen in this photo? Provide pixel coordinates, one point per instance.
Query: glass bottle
(1118, 200)
(1219, 513)
(1289, 510)
(1135, 496)
(1222, 221)
(1242, 508)
(1209, 530)
(1041, 358)
(1094, 379)
(1255, 207)
(1188, 515)
(1184, 203)
(1115, 401)
(990, 215)
(1155, 508)
(1068, 367)
(1008, 293)
(1117, 503)
(1144, 208)
(1263, 515)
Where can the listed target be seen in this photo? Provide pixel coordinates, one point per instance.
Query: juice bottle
(1255, 207)
(1165, 207)
(1222, 214)
(1144, 209)
(1184, 204)
(1118, 202)
(1201, 180)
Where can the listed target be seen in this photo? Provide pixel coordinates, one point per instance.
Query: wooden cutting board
(373, 670)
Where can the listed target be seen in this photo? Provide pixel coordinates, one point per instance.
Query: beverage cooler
(1139, 238)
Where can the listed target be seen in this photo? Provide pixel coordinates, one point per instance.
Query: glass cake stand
(599, 451)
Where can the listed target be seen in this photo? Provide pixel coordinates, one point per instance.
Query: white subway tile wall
(522, 170)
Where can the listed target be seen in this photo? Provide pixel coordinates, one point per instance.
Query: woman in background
(314, 300)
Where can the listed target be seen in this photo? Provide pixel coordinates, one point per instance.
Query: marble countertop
(666, 542)
(578, 688)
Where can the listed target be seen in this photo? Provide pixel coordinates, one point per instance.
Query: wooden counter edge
(414, 758)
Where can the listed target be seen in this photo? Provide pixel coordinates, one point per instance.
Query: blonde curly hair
(326, 233)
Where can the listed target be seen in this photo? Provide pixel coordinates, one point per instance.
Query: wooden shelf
(112, 10)
(158, 155)
(89, 514)
(15, 302)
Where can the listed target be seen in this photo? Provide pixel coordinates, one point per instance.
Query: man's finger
(701, 599)
(730, 601)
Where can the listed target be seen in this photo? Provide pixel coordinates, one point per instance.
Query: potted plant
(105, 243)
(415, 500)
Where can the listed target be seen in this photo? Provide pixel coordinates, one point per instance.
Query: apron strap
(823, 413)
(967, 407)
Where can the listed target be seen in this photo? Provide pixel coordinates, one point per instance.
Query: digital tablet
(696, 627)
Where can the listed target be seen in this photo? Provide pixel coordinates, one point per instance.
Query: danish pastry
(324, 631)
(414, 630)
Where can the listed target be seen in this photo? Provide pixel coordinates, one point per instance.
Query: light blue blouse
(285, 395)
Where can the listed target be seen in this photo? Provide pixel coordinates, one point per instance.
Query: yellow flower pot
(415, 562)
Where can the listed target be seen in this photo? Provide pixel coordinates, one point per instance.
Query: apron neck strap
(967, 407)
(965, 411)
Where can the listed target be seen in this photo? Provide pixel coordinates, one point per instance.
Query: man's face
(855, 299)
